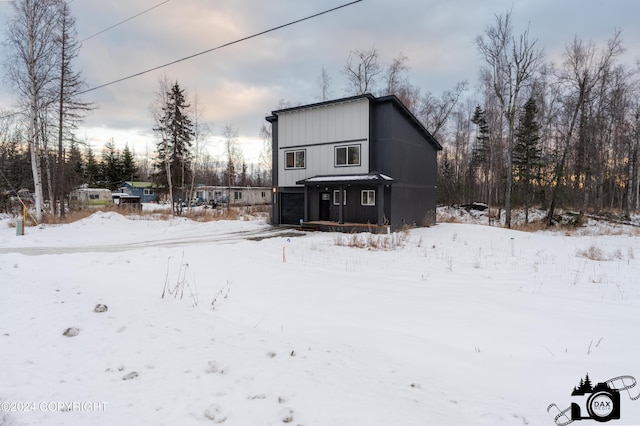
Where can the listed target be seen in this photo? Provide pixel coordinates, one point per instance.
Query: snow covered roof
(347, 179)
(138, 184)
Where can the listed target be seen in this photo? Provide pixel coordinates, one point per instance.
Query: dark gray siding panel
(401, 150)
(275, 210)
(412, 206)
(365, 214)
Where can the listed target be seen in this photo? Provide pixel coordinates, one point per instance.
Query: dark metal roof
(360, 179)
(319, 104)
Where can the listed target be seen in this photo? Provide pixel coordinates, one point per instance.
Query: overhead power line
(221, 46)
(126, 20)
(93, 35)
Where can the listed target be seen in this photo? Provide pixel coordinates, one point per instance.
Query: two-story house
(359, 160)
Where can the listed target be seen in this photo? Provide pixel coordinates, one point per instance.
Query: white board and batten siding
(318, 131)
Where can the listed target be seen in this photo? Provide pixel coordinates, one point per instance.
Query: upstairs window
(348, 155)
(295, 159)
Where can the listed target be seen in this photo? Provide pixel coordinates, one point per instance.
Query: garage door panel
(292, 208)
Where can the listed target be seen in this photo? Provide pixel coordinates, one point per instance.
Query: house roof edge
(274, 114)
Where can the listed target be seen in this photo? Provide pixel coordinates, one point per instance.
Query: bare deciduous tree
(361, 71)
(232, 152)
(409, 95)
(511, 63)
(266, 153)
(31, 68)
(583, 69)
(200, 132)
(324, 80)
(71, 108)
(394, 76)
(157, 112)
(435, 112)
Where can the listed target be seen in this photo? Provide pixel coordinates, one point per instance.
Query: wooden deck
(349, 228)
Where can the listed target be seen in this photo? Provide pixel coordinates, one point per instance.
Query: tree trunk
(557, 178)
(509, 184)
(35, 170)
(47, 165)
(33, 119)
(637, 178)
(168, 170)
(60, 169)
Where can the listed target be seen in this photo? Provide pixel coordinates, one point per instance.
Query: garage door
(292, 208)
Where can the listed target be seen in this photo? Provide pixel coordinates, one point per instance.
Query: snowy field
(457, 324)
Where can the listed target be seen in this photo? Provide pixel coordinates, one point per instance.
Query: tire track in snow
(227, 238)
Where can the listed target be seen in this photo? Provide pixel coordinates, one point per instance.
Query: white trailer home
(233, 195)
(90, 198)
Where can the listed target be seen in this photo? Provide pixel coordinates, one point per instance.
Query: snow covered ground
(460, 324)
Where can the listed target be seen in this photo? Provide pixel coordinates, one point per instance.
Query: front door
(325, 204)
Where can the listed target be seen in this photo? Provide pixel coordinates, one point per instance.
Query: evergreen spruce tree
(128, 164)
(243, 177)
(527, 153)
(15, 162)
(480, 155)
(74, 170)
(175, 127)
(111, 167)
(230, 173)
(92, 169)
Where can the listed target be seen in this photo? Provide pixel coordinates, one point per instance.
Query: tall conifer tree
(176, 132)
(527, 153)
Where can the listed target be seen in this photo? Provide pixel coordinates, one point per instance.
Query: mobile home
(90, 198)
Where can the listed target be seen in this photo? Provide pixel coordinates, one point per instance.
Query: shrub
(369, 241)
(595, 253)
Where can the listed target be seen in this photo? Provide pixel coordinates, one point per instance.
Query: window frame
(347, 149)
(295, 153)
(335, 197)
(370, 195)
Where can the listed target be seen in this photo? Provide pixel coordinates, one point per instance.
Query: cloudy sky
(240, 84)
